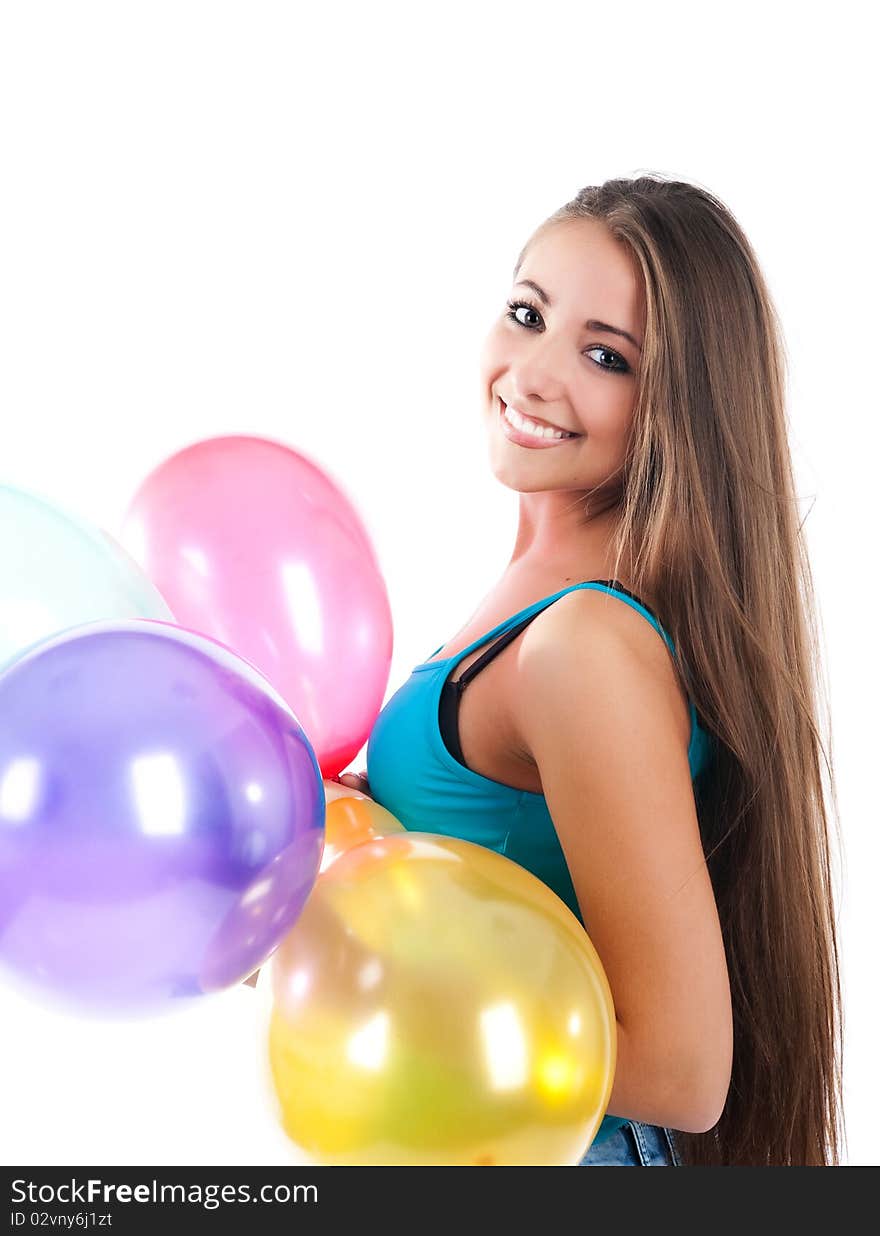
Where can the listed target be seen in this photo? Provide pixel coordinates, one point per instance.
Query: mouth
(531, 431)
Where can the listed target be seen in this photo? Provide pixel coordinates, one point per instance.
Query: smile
(523, 431)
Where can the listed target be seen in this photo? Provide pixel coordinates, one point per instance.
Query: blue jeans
(635, 1145)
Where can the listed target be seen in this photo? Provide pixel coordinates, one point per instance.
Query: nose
(537, 370)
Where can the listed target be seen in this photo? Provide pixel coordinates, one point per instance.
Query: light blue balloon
(57, 571)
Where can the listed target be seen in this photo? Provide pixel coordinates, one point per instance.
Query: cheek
(606, 415)
(494, 354)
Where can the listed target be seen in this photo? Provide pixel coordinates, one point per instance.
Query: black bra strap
(493, 651)
(472, 670)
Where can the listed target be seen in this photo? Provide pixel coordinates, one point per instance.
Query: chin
(507, 476)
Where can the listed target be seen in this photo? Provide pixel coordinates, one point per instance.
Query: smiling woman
(630, 773)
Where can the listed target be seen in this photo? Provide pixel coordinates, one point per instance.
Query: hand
(357, 781)
(335, 787)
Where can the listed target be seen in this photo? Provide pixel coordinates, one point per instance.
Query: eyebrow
(591, 323)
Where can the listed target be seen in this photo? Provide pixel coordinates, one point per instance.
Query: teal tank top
(414, 776)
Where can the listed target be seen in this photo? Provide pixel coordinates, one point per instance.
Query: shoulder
(593, 656)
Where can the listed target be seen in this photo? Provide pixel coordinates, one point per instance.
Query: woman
(633, 395)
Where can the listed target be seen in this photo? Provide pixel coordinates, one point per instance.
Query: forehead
(586, 271)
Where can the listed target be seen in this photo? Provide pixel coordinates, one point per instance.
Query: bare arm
(600, 712)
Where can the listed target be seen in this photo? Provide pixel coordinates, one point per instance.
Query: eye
(514, 305)
(619, 365)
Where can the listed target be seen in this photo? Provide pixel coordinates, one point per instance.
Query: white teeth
(526, 426)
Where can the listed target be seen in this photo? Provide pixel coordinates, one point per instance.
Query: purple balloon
(161, 818)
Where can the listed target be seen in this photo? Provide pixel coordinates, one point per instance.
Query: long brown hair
(709, 527)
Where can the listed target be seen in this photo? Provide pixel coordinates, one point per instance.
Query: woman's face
(544, 359)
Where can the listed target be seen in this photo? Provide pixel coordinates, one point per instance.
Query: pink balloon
(250, 542)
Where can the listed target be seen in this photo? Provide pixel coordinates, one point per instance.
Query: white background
(301, 222)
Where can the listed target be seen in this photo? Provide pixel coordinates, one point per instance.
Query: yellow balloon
(352, 819)
(437, 1004)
